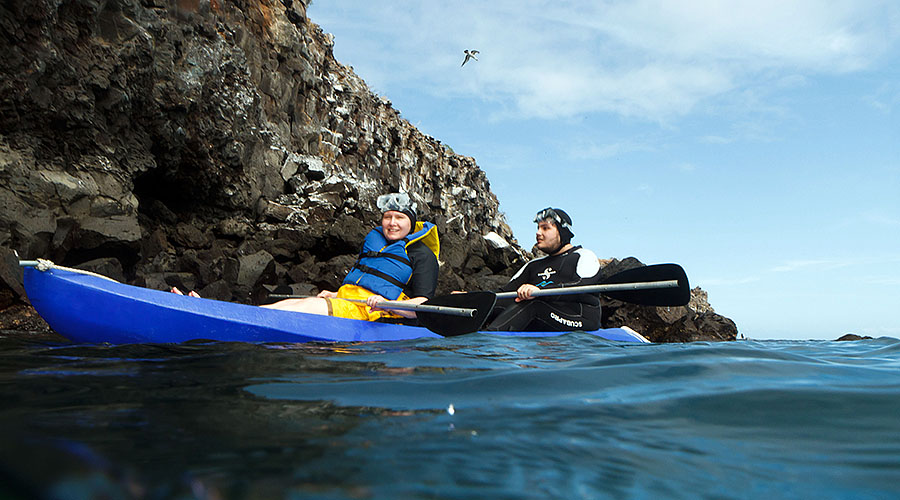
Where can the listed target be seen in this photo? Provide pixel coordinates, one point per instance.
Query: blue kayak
(92, 309)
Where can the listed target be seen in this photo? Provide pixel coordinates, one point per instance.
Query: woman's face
(395, 225)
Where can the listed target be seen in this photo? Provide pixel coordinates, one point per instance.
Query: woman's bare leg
(311, 305)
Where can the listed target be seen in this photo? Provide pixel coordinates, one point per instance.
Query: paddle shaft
(614, 287)
(402, 306)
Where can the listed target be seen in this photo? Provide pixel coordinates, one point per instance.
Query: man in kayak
(398, 261)
(564, 265)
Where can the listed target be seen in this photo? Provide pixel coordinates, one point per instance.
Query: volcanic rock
(219, 146)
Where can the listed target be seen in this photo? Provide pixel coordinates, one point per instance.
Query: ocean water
(467, 417)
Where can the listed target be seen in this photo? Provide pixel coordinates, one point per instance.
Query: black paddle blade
(652, 296)
(451, 326)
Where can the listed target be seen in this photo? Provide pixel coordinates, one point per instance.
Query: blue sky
(756, 143)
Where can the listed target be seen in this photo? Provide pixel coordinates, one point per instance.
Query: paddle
(445, 315)
(655, 285)
(451, 326)
(427, 306)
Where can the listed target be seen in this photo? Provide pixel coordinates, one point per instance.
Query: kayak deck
(91, 309)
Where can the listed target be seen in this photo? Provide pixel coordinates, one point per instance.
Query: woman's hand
(373, 300)
(327, 294)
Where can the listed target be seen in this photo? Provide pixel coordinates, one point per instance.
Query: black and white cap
(560, 218)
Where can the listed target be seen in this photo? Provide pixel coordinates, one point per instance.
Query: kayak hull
(90, 309)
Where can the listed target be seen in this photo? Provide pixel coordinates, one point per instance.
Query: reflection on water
(574, 417)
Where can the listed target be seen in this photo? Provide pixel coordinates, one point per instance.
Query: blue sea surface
(467, 417)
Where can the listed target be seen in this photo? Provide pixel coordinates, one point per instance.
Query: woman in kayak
(398, 261)
(564, 265)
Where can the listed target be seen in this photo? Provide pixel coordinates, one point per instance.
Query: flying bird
(470, 54)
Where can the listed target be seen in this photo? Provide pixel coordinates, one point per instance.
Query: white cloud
(886, 220)
(729, 281)
(815, 264)
(881, 280)
(885, 98)
(685, 167)
(716, 139)
(595, 151)
(882, 219)
(840, 36)
(650, 59)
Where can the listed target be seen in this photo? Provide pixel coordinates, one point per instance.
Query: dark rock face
(215, 146)
(189, 137)
(851, 337)
(695, 321)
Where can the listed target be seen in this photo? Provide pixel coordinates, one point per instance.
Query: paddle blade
(451, 326)
(655, 296)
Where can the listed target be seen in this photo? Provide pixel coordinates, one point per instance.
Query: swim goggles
(550, 213)
(398, 202)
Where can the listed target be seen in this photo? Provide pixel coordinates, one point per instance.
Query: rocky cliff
(219, 146)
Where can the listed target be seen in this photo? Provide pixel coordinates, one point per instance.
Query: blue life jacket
(383, 267)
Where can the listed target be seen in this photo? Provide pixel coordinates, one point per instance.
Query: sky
(755, 143)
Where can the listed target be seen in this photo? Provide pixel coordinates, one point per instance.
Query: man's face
(547, 236)
(395, 225)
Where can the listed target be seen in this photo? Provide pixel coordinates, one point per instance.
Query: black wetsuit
(574, 267)
(423, 281)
